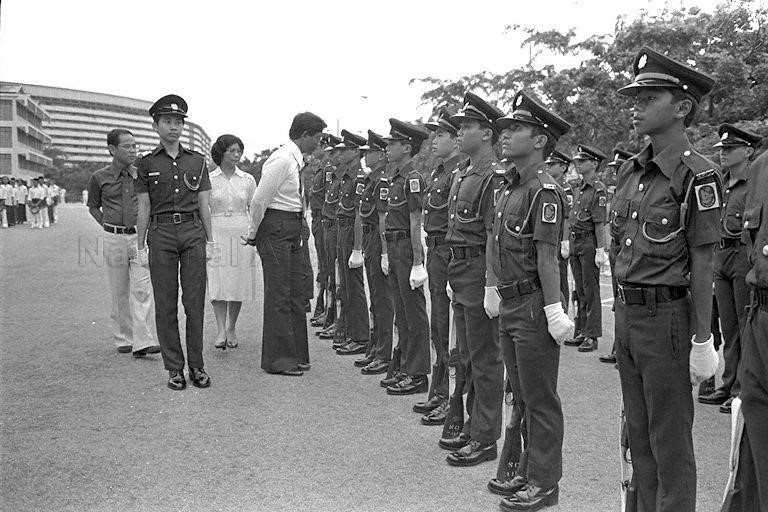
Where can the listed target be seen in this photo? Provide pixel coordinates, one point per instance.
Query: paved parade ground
(83, 427)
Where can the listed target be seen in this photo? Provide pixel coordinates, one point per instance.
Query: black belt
(729, 242)
(639, 295)
(328, 223)
(578, 235)
(434, 240)
(469, 251)
(120, 230)
(282, 214)
(173, 218)
(391, 236)
(345, 222)
(519, 288)
(761, 297)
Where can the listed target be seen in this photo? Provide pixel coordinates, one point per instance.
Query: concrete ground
(85, 428)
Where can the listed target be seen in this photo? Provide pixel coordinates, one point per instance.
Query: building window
(6, 110)
(5, 164)
(6, 137)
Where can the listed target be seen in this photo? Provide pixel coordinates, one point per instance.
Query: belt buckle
(177, 218)
(622, 297)
(721, 243)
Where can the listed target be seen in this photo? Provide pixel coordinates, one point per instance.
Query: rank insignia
(601, 201)
(383, 194)
(706, 197)
(414, 185)
(359, 189)
(549, 213)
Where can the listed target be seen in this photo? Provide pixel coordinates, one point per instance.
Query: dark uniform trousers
(589, 315)
(322, 271)
(613, 251)
(438, 258)
(477, 338)
(660, 431)
(178, 251)
(284, 342)
(732, 294)
(564, 291)
(382, 308)
(21, 212)
(331, 232)
(410, 310)
(532, 359)
(309, 290)
(354, 305)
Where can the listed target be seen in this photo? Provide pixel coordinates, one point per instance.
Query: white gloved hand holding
(703, 360)
(559, 324)
(356, 259)
(385, 264)
(449, 290)
(418, 276)
(600, 257)
(565, 249)
(143, 256)
(491, 301)
(209, 249)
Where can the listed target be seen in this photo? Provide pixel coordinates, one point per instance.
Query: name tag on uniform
(706, 197)
(383, 193)
(359, 189)
(549, 213)
(154, 174)
(414, 185)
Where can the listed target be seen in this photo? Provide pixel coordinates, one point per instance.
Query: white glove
(418, 276)
(385, 264)
(565, 249)
(143, 256)
(491, 301)
(356, 259)
(703, 360)
(600, 257)
(559, 324)
(449, 290)
(209, 250)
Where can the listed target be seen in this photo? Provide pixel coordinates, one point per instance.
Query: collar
(452, 162)
(404, 170)
(295, 152)
(218, 171)
(591, 181)
(117, 171)
(479, 165)
(668, 159)
(740, 175)
(160, 148)
(530, 172)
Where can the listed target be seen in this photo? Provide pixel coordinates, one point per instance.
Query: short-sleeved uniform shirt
(367, 189)
(172, 183)
(470, 205)
(734, 196)
(437, 192)
(529, 209)
(317, 188)
(589, 208)
(654, 234)
(755, 233)
(403, 195)
(112, 190)
(332, 192)
(348, 200)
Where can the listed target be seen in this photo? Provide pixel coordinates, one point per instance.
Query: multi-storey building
(22, 134)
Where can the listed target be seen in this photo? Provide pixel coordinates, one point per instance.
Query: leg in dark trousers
(437, 269)
(578, 288)
(322, 270)
(330, 230)
(564, 292)
(591, 310)
(382, 307)
(355, 303)
(308, 287)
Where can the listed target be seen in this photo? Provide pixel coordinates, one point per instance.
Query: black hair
(679, 95)
(415, 145)
(156, 117)
(306, 122)
(222, 144)
(549, 147)
(113, 137)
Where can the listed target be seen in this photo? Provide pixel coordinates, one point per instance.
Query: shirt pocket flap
(465, 211)
(661, 224)
(752, 217)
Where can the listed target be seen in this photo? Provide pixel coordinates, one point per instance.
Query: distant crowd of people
(32, 202)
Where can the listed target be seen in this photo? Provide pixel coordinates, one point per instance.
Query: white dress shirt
(279, 188)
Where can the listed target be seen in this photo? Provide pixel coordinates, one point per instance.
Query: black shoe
(454, 443)
(176, 380)
(726, 407)
(531, 498)
(716, 398)
(575, 341)
(341, 342)
(376, 367)
(125, 349)
(199, 378)
(397, 377)
(327, 333)
(608, 358)
(430, 405)
(588, 345)
(350, 349)
(361, 363)
(472, 454)
(437, 415)
(154, 349)
(508, 487)
(410, 385)
(318, 321)
(141, 353)
(707, 387)
(304, 367)
(291, 372)
(222, 344)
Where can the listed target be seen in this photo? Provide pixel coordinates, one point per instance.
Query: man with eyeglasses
(112, 202)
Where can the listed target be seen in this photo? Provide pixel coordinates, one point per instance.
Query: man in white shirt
(36, 203)
(21, 200)
(44, 214)
(53, 192)
(277, 210)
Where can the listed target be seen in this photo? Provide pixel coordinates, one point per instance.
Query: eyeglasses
(127, 146)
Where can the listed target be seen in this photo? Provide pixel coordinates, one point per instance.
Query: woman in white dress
(231, 270)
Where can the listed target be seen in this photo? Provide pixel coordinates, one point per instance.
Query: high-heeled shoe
(232, 341)
(222, 344)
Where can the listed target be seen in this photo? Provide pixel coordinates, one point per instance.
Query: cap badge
(725, 136)
(519, 101)
(174, 106)
(642, 61)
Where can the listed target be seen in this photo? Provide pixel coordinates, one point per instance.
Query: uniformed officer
(752, 473)
(403, 259)
(368, 240)
(470, 216)
(333, 173)
(436, 196)
(667, 212)
(316, 200)
(354, 305)
(587, 247)
(731, 265)
(527, 233)
(619, 157)
(173, 189)
(556, 165)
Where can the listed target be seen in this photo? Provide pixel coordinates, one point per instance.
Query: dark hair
(549, 147)
(415, 146)
(306, 122)
(222, 144)
(679, 95)
(113, 137)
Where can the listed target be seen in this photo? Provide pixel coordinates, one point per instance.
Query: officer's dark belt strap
(119, 230)
(464, 252)
(635, 296)
(578, 235)
(329, 223)
(391, 236)
(519, 288)
(173, 218)
(729, 242)
(761, 297)
(345, 222)
(282, 214)
(435, 240)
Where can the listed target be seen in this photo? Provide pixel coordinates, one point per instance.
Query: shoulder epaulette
(698, 162)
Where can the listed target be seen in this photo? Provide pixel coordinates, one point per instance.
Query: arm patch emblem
(549, 213)
(383, 193)
(601, 201)
(414, 185)
(328, 176)
(706, 197)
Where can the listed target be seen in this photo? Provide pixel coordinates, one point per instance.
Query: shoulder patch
(329, 176)
(707, 197)
(414, 185)
(383, 193)
(549, 213)
(601, 201)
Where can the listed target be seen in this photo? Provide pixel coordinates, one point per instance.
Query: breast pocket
(437, 196)
(159, 186)
(397, 195)
(619, 216)
(466, 212)
(661, 229)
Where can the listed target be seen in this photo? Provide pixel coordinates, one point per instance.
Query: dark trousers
(354, 305)
(382, 307)
(586, 275)
(564, 291)
(532, 359)
(322, 271)
(309, 290)
(21, 212)
(10, 213)
(477, 338)
(330, 232)
(178, 251)
(653, 344)
(410, 310)
(753, 376)
(284, 338)
(438, 258)
(732, 294)
(52, 213)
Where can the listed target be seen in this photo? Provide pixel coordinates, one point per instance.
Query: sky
(247, 67)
